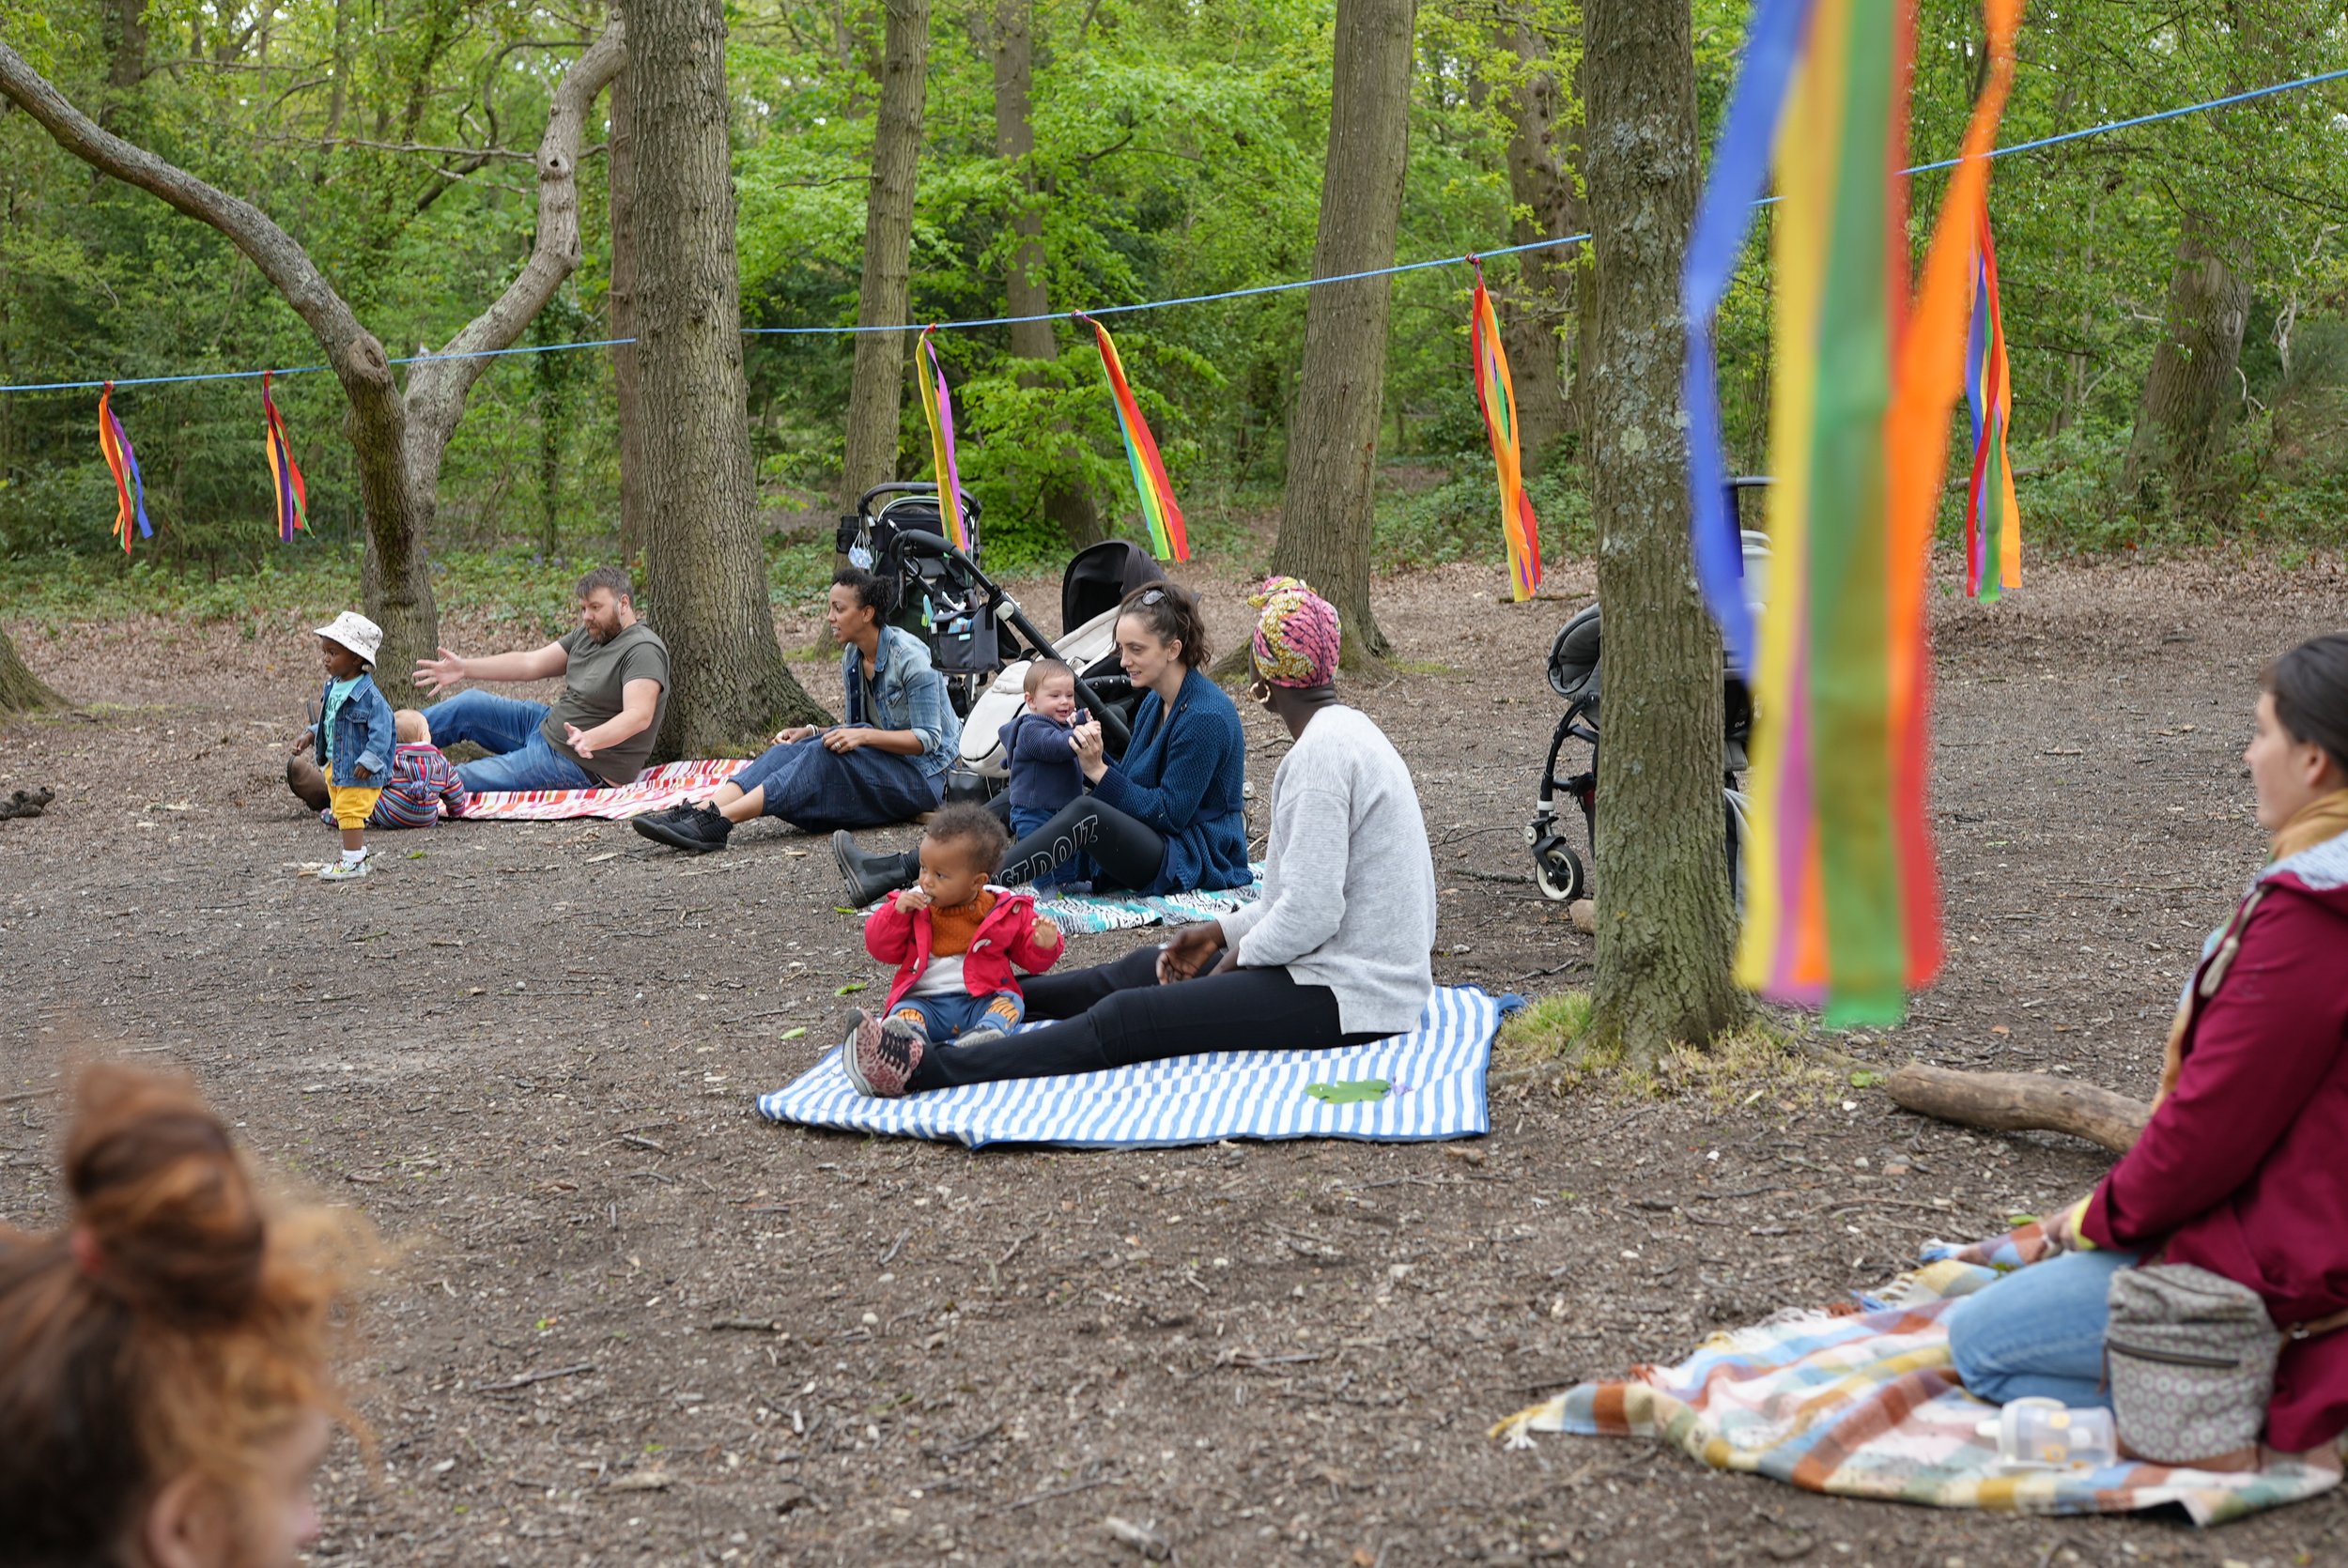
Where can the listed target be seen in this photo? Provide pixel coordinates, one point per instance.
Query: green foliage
(1179, 152)
(309, 581)
(1458, 518)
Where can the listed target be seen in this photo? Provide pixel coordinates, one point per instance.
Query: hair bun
(174, 1223)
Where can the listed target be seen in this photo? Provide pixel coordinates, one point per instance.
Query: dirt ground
(634, 1323)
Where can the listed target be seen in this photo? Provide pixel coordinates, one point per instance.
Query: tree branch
(437, 388)
(350, 349)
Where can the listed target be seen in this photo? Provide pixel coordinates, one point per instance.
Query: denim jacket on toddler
(364, 737)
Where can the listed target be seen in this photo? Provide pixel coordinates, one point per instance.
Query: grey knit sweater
(1348, 898)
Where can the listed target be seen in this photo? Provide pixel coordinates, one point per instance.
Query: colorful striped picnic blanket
(1433, 1078)
(670, 784)
(1090, 913)
(1862, 1403)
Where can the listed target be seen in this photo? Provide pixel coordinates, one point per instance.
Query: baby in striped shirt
(421, 782)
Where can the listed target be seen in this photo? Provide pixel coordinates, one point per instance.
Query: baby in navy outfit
(1038, 749)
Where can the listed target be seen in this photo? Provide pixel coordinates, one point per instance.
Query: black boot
(698, 830)
(873, 877)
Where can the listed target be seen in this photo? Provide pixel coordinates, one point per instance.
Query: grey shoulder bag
(2190, 1359)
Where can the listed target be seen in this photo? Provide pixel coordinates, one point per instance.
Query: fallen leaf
(850, 988)
(793, 1034)
(641, 1480)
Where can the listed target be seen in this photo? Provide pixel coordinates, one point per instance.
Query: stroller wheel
(1558, 871)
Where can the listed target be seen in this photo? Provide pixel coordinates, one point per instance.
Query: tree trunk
(876, 391)
(1325, 508)
(620, 175)
(705, 565)
(1026, 292)
(123, 22)
(1534, 314)
(399, 443)
(1661, 879)
(20, 690)
(2191, 389)
(1582, 329)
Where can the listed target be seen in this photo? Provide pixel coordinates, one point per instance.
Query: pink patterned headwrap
(1297, 634)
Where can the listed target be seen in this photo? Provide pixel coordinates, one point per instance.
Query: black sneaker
(696, 829)
(873, 877)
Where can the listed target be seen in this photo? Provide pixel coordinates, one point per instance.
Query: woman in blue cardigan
(1168, 816)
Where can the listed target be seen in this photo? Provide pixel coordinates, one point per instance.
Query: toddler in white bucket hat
(355, 735)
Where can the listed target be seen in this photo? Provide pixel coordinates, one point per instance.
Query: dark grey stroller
(1560, 864)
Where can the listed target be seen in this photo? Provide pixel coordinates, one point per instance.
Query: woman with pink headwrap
(1335, 952)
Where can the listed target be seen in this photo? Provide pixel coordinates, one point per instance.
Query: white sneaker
(346, 871)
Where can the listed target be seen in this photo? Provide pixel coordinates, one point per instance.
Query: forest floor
(529, 1052)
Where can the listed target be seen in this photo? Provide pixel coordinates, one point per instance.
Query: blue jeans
(950, 1018)
(816, 789)
(2039, 1330)
(509, 727)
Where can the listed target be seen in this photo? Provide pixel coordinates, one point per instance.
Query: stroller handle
(1002, 605)
(909, 487)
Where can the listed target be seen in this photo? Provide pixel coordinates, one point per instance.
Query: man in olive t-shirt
(615, 687)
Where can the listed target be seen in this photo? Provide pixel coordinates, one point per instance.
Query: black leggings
(1128, 851)
(1119, 1014)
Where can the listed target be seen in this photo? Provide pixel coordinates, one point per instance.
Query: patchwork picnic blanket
(670, 784)
(1862, 1403)
(1090, 913)
(1425, 1084)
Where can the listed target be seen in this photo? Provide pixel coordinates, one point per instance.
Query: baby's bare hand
(911, 900)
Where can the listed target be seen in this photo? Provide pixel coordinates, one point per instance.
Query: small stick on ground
(529, 1377)
(1153, 1547)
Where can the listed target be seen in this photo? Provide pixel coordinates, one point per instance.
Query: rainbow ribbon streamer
(1841, 898)
(130, 489)
(938, 407)
(1993, 520)
(1169, 539)
(1496, 398)
(284, 475)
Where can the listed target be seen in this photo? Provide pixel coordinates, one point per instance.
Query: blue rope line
(2041, 142)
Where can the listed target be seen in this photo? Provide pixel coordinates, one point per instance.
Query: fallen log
(2020, 1103)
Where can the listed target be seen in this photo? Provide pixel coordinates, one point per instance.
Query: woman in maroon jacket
(2240, 1170)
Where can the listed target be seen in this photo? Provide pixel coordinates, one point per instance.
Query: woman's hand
(308, 740)
(796, 733)
(577, 740)
(2063, 1233)
(1085, 741)
(1186, 953)
(841, 742)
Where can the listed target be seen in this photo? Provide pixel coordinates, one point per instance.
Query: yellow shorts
(350, 804)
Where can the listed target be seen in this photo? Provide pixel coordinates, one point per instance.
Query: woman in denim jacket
(884, 764)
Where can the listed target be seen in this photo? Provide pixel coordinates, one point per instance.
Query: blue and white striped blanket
(1434, 1074)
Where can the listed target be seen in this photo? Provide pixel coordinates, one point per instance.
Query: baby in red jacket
(954, 939)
